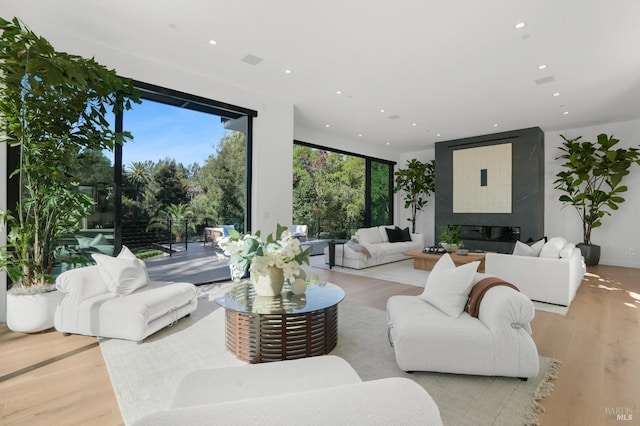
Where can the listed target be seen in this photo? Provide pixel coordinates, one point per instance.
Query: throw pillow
(369, 235)
(404, 233)
(123, 274)
(567, 250)
(533, 250)
(394, 235)
(552, 248)
(448, 286)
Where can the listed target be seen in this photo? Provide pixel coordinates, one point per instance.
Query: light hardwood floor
(48, 379)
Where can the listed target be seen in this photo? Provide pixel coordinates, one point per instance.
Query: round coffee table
(287, 326)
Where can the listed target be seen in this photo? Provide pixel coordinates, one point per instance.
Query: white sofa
(497, 343)
(550, 279)
(322, 390)
(91, 309)
(371, 246)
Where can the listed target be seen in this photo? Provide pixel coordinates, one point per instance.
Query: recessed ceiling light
(359, 135)
(213, 42)
(556, 94)
(338, 92)
(520, 25)
(437, 134)
(388, 143)
(495, 125)
(382, 110)
(541, 67)
(414, 124)
(327, 125)
(288, 71)
(566, 113)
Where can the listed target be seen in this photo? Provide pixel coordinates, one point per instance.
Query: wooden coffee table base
(426, 261)
(258, 338)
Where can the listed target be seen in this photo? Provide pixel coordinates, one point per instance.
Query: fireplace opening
(508, 234)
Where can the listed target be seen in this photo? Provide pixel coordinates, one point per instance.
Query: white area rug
(403, 272)
(144, 375)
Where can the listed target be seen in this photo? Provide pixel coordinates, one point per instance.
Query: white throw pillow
(552, 248)
(448, 286)
(369, 235)
(533, 250)
(123, 274)
(567, 250)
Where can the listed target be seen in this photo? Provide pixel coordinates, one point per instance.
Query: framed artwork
(482, 179)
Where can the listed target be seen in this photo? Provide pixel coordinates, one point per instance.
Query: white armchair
(497, 343)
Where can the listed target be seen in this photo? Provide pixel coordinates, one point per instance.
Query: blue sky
(161, 131)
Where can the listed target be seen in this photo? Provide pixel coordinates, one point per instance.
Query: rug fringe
(543, 390)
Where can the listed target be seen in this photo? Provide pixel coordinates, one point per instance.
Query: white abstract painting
(482, 179)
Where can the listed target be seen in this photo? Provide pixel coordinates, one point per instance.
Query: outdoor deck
(199, 263)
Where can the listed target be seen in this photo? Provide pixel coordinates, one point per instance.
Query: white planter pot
(32, 313)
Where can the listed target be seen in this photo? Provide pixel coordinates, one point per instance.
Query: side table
(332, 251)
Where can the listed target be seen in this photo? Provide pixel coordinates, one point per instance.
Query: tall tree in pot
(417, 181)
(53, 108)
(591, 181)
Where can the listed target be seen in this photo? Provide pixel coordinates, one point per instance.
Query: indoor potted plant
(591, 180)
(53, 107)
(451, 237)
(417, 182)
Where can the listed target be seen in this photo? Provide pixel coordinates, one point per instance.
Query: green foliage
(592, 176)
(417, 182)
(328, 191)
(54, 106)
(451, 234)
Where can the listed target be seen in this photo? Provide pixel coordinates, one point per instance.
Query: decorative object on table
(462, 252)
(54, 108)
(417, 182)
(591, 180)
(451, 237)
(270, 262)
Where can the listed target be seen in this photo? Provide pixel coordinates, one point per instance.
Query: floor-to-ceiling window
(335, 192)
(188, 167)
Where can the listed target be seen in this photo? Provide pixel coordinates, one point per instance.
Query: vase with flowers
(270, 262)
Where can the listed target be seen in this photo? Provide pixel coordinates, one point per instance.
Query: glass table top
(242, 298)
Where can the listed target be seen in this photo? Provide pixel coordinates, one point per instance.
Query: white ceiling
(455, 68)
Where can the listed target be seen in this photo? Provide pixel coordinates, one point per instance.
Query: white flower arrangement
(249, 252)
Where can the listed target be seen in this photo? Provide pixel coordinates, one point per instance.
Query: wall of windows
(336, 192)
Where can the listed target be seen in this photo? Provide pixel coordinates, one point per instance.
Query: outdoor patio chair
(300, 231)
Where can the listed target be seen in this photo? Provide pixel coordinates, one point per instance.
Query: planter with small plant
(451, 237)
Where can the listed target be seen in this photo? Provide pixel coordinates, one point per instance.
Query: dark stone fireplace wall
(527, 180)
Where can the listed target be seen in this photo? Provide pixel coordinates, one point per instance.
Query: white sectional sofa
(323, 390)
(551, 274)
(371, 246)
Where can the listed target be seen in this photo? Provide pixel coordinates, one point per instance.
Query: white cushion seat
(90, 308)
(323, 390)
(497, 343)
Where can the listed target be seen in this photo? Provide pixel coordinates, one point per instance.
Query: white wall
(618, 236)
